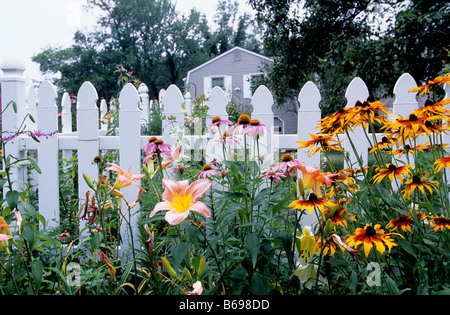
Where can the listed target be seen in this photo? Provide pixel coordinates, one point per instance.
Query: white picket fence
(90, 137)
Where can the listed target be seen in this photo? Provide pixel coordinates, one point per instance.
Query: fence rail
(90, 137)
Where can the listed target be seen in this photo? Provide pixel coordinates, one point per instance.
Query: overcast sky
(29, 26)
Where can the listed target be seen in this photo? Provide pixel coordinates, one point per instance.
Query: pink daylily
(124, 178)
(5, 237)
(180, 198)
(313, 178)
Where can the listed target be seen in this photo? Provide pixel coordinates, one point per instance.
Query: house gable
(231, 70)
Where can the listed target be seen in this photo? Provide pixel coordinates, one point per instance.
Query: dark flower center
(413, 117)
(392, 167)
(385, 139)
(152, 139)
(428, 124)
(312, 197)
(370, 231)
(158, 142)
(428, 102)
(416, 179)
(254, 122)
(215, 119)
(287, 157)
(244, 119)
(207, 167)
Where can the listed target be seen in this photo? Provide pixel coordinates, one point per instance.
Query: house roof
(223, 55)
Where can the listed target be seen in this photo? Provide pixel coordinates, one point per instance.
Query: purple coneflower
(217, 121)
(255, 128)
(286, 163)
(155, 146)
(207, 172)
(242, 123)
(272, 174)
(227, 138)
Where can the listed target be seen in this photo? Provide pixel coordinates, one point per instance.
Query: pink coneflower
(227, 139)
(255, 128)
(272, 174)
(208, 171)
(287, 162)
(155, 146)
(217, 121)
(242, 123)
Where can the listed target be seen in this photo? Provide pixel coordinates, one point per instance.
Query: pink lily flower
(5, 237)
(124, 178)
(180, 198)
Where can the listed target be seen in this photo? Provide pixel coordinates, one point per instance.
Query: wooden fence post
(48, 158)
(129, 157)
(309, 115)
(144, 104)
(13, 89)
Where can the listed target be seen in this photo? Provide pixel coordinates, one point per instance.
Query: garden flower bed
(235, 227)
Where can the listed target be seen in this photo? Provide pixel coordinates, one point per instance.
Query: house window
(218, 81)
(255, 82)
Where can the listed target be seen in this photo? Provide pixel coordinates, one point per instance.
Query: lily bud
(89, 181)
(169, 268)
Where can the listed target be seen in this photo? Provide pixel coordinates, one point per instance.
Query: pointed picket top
(217, 101)
(66, 103)
(31, 102)
(87, 96)
(309, 98)
(103, 108)
(262, 101)
(143, 88)
(356, 91)
(401, 89)
(447, 91)
(129, 98)
(172, 99)
(161, 96)
(47, 94)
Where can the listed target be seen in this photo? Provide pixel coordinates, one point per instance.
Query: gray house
(234, 71)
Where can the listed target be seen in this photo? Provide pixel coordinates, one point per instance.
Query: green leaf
(286, 239)
(259, 284)
(37, 269)
(28, 232)
(392, 286)
(12, 197)
(178, 253)
(252, 243)
(35, 166)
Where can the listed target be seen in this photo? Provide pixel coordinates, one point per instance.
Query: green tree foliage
(330, 42)
(148, 38)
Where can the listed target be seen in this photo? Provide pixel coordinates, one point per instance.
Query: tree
(330, 42)
(148, 38)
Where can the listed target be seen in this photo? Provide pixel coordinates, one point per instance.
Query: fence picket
(309, 115)
(48, 157)
(357, 91)
(129, 153)
(88, 141)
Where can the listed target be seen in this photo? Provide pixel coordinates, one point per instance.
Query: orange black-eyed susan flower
(364, 113)
(442, 163)
(372, 236)
(335, 123)
(427, 87)
(407, 127)
(385, 144)
(322, 141)
(403, 222)
(336, 213)
(311, 202)
(411, 150)
(419, 182)
(439, 223)
(391, 170)
(432, 109)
